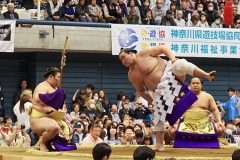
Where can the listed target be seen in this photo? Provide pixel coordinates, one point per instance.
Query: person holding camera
(128, 137)
(54, 11)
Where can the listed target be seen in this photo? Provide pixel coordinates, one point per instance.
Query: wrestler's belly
(153, 79)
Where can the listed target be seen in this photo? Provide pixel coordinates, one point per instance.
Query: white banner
(7, 33)
(183, 41)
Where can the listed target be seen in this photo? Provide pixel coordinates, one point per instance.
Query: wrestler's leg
(159, 132)
(181, 67)
(46, 127)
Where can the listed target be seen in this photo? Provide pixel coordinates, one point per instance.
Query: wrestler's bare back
(147, 70)
(42, 88)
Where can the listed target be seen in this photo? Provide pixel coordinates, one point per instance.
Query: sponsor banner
(183, 41)
(7, 33)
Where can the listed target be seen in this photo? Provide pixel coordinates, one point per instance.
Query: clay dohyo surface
(121, 151)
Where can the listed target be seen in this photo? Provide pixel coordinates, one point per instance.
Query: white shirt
(22, 118)
(180, 23)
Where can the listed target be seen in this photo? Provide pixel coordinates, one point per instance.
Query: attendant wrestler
(146, 68)
(47, 112)
(197, 115)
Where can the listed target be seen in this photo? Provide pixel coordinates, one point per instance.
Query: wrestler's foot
(211, 76)
(158, 148)
(43, 148)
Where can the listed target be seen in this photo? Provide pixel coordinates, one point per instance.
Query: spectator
(236, 4)
(143, 153)
(194, 22)
(114, 115)
(131, 5)
(8, 120)
(96, 12)
(179, 21)
(127, 138)
(111, 137)
(106, 104)
(110, 12)
(82, 94)
(139, 136)
(132, 18)
(190, 5)
(141, 111)
(93, 137)
(238, 93)
(149, 20)
(79, 133)
(158, 12)
(150, 116)
(54, 11)
(21, 109)
(217, 23)
(75, 113)
(166, 4)
(122, 11)
(89, 90)
(23, 87)
(235, 11)
(202, 2)
(144, 8)
(125, 110)
(211, 14)
(10, 14)
(236, 21)
(177, 4)
(236, 155)
(173, 8)
(120, 98)
(99, 107)
(203, 21)
(2, 111)
(2, 136)
(17, 139)
(221, 9)
(237, 130)
(27, 4)
(82, 13)
(91, 109)
(185, 11)
(199, 10)
(1, 15)
(101, 151)
(147, 140)
(168, 20)
(68, 12)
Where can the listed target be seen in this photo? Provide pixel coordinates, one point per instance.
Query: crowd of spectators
(190, 13)
(95, 119)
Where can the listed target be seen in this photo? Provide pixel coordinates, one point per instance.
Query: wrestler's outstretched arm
(141, 90)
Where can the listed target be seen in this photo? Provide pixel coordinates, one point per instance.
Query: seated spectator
(132, 18)
(199, 10)
(126, 110)
(82, 13)
(54, 11)
(144, 8)
(91, 109)
(194, 22)
(8, 120)
(149, 20)
(221, 9)
(93, 137)
(106, 104)
(18, 4)
(1, 15)
(111, 137)
(102, 134)
(158, 12)
(121, 10)
(143, 153)
(114, 115)
(96, 12)
(78, 134)
(147, 140)
(120, 98)
(99, 107)
(110, 12)
(217, 24)
(131, 5)
(101, 151)
(18, 137)
(10, 14)
(150, 116)
(236, 155)
(67, 11)
(127, 139)
(75, 113)
(2, 136)
(139, 136)
(237, 130)
(211, 13)
(141, 111)
(168, 20)
(185, 11)
(179, 21)
(190, 5)
(203, 21)
(173, 8)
